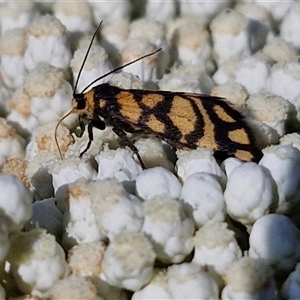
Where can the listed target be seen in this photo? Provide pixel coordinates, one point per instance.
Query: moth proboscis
(184, 120)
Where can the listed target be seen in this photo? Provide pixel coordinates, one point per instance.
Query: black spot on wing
(106, 91)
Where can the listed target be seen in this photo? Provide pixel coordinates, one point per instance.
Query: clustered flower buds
(188, 226)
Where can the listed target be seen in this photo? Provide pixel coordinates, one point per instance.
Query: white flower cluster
(186, 227)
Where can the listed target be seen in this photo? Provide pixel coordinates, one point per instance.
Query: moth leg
(124, 137)
(91, 137)
(98, 124)
(92, 123)
(82, 127)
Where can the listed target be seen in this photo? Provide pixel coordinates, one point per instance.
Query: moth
(184, 120)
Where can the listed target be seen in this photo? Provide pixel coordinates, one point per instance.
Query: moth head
(84, 104)
(79, 102)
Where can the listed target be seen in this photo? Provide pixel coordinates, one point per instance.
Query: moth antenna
(120, 68)
(85, 58)
(55, 131)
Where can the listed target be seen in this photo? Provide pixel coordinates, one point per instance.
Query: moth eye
(80, 101)
(81, 104)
